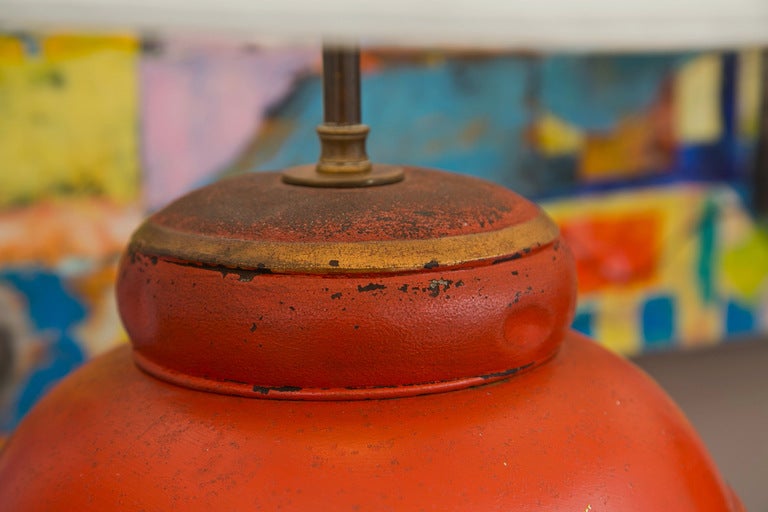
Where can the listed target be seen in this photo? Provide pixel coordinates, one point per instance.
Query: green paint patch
(707, 238)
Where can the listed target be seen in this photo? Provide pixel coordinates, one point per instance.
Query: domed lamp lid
(345, 279)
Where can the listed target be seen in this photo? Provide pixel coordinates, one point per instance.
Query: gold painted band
(345, 257)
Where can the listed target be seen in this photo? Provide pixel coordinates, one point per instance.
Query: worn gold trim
(345, 257)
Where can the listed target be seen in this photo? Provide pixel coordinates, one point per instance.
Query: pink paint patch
(201, 104)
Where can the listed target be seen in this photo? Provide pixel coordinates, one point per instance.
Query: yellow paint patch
(696, 105)
(65, 47)
(102, 329)
(554, 137)
(745, 266)
(68, 120)
(617, 325)
(633, 149)
(11, 49)
(748, 96)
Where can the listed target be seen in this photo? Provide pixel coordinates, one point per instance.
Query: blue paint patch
(465, 115)
(729, 142)
(595, 92)
(51, 305)
(583, 322)
(658, 321)
(54, 312)
(32, 44)
(539, 177)
(739, 319)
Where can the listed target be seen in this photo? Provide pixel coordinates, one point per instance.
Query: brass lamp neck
(343, 158)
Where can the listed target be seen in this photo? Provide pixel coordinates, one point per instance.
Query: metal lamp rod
(343, 161)
(341, 86)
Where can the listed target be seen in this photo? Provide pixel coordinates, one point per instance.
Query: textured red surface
(312, 335)
(586, 431)
(427, 204)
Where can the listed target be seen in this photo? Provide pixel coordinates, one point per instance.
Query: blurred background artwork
(644, 160)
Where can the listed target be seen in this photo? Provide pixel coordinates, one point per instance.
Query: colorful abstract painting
(661, 267)
(70, 195)
(641, 159)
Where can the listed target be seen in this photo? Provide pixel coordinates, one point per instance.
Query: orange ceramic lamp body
(403, 347)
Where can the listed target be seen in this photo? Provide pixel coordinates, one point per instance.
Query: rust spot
(431, 264)
(235, 381)
(336, 295)
(264, 390)
(334, 263)
(244, 275)
(253, 326)
(404, 288)
(370, 287)
(153, 259)
(435, 284)
(506, 373)
(459, 283)
(515, 256)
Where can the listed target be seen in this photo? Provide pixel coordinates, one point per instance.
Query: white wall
(532, 24)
